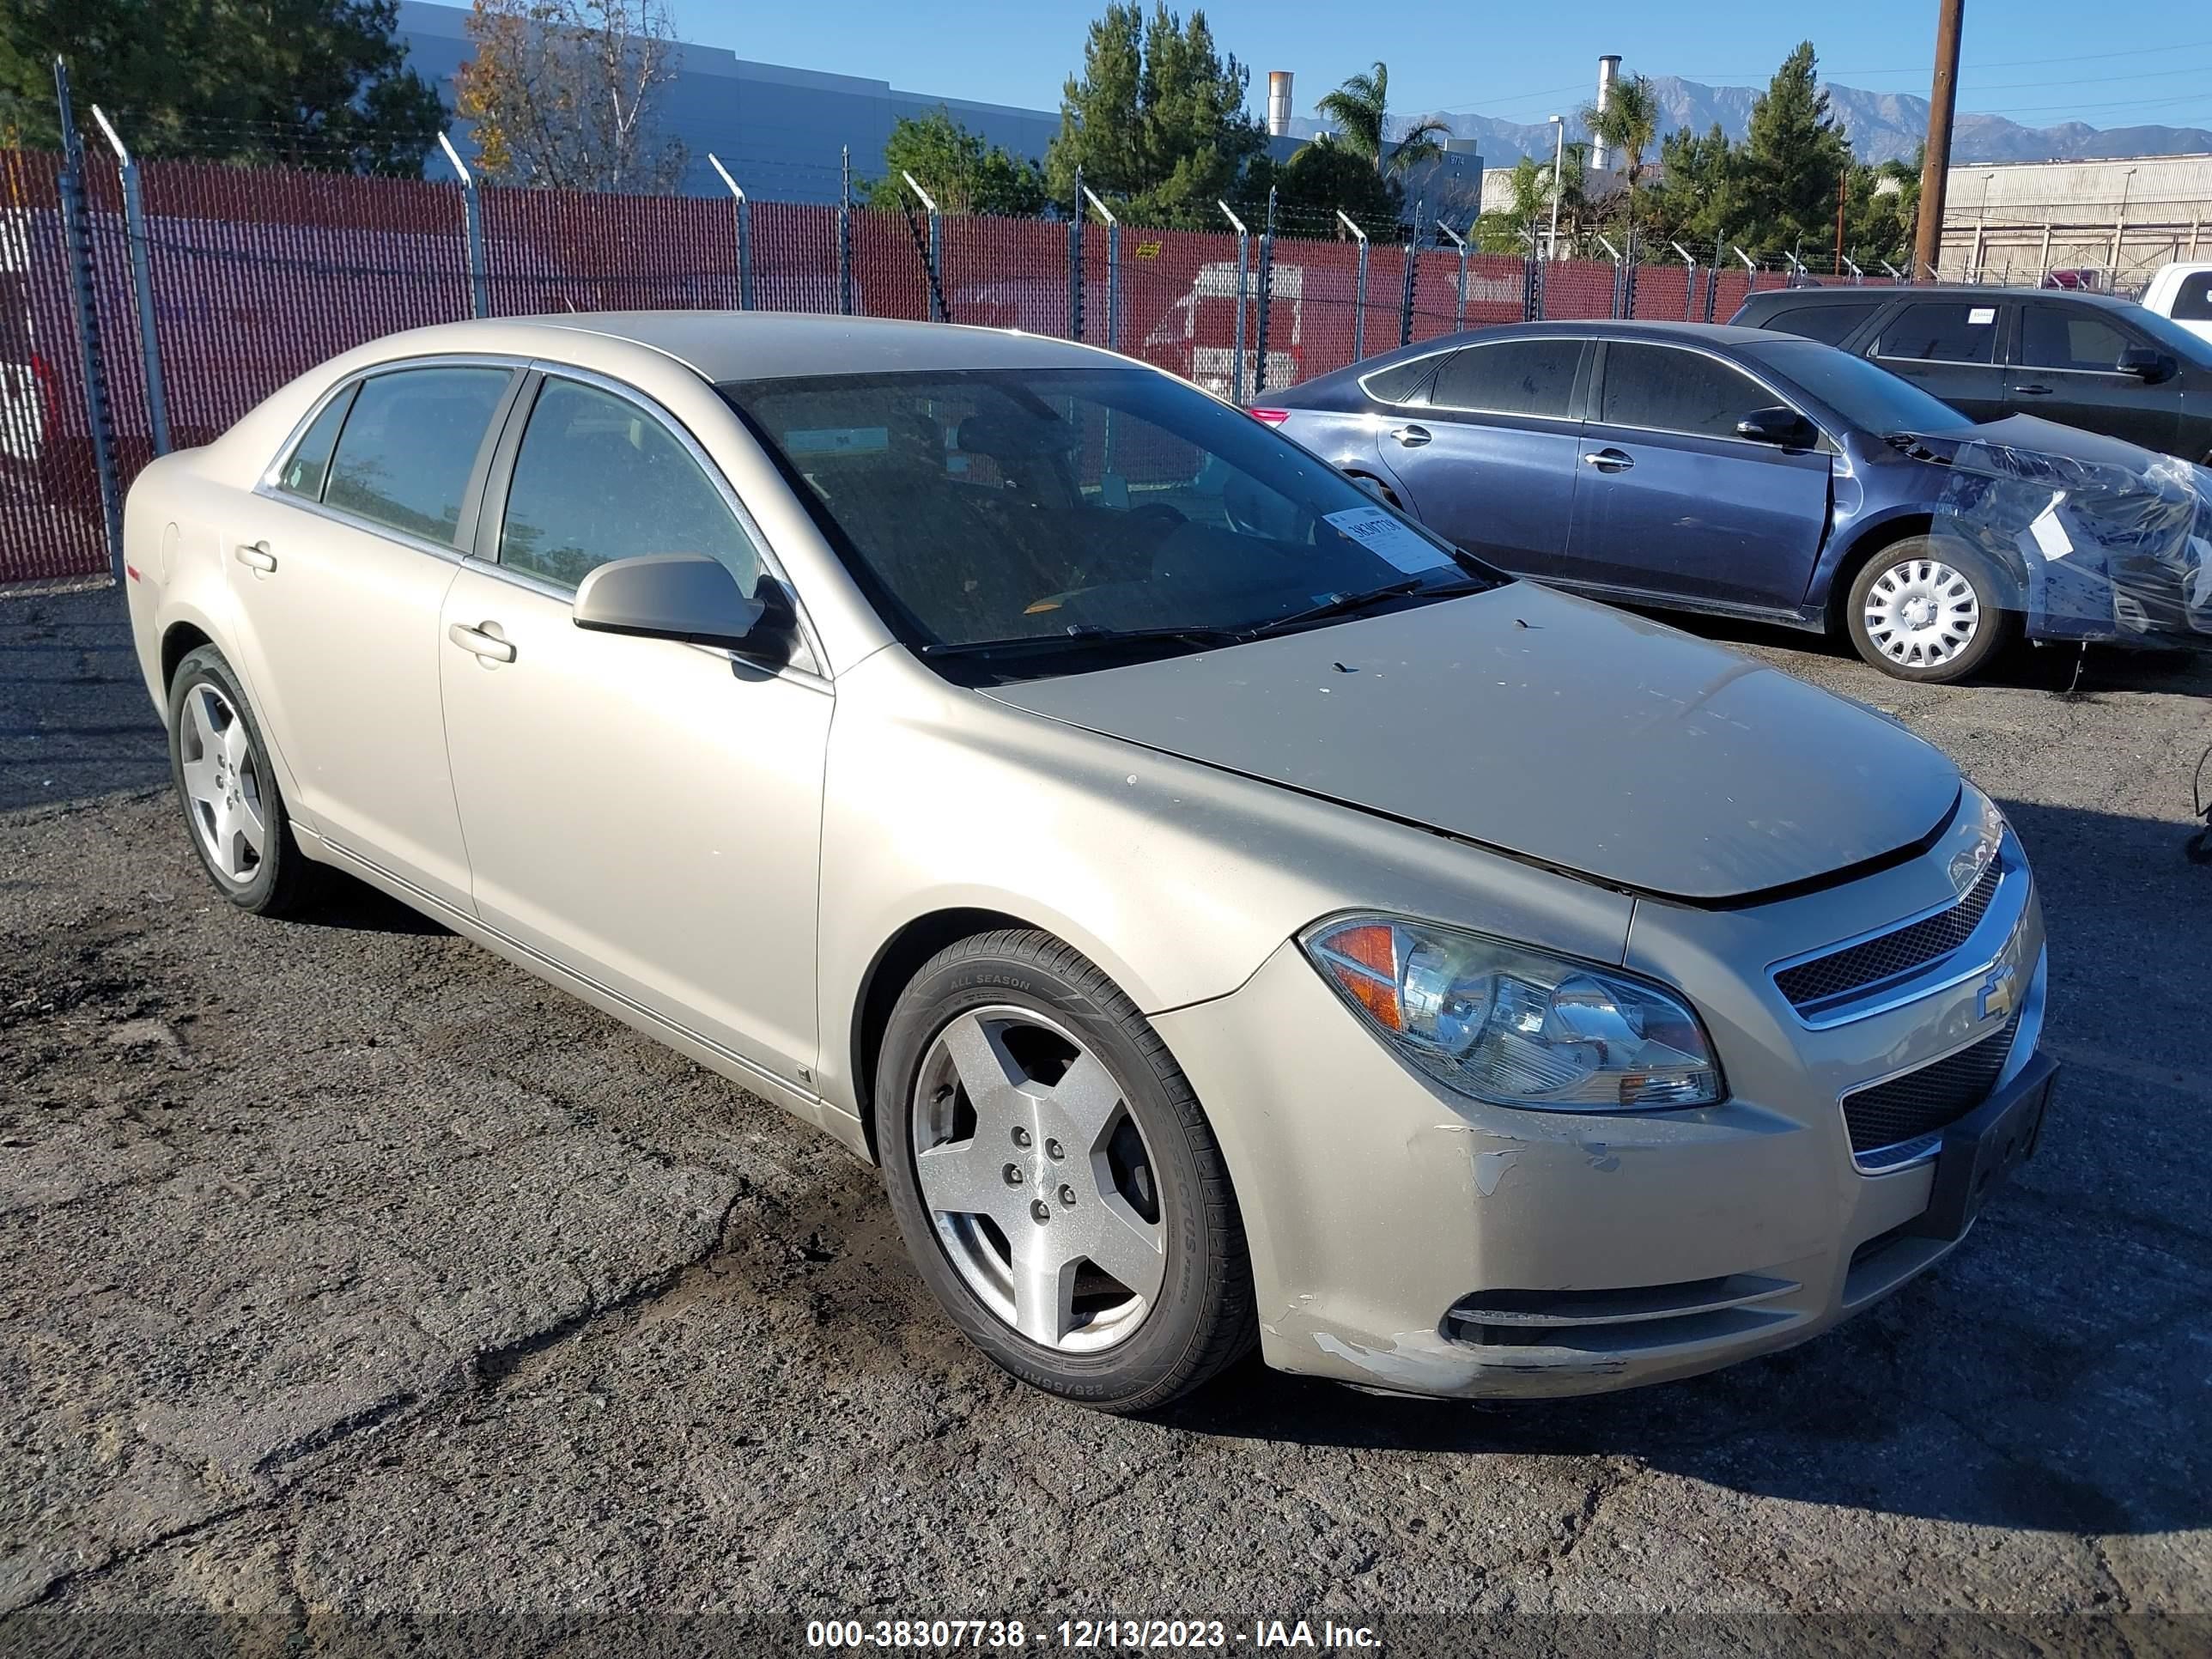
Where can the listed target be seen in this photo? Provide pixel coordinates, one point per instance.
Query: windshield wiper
(1343, 604)
(1080, 634)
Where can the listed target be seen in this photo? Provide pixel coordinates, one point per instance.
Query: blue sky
(2040, 62)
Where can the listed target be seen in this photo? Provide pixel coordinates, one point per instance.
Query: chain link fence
(206, 286)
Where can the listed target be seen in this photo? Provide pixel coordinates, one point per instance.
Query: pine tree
(1156, 121)
(1793, 157)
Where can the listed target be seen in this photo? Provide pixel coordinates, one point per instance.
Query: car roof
(750, 346)
(1785, 298)
(1598, 329)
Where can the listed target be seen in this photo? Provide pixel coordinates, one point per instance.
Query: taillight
(1269, 416)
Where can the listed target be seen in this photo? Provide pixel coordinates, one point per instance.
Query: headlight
(1987, 820)
(1512, 1026)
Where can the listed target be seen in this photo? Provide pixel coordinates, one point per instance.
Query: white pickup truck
(2183, 291)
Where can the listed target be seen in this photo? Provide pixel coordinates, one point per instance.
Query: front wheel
(1057, 1184)
(1928, 611)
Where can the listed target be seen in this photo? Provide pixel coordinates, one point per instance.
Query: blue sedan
(1745, 473)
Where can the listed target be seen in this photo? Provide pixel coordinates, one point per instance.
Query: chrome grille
(1922, 1103)
(1889, 954)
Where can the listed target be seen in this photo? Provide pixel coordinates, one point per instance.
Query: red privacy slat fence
(257, 275)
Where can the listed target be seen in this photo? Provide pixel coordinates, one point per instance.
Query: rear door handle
(1412, 437)
(257, 557)
(2032, 391)
(1609, 461)
(490, 646)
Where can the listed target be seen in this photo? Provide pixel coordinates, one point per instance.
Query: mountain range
(1881, 125)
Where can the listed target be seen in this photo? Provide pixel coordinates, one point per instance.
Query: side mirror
(2146, 364)
(684, 596)
(1784, 428)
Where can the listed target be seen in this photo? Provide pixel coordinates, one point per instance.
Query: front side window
(308, 465)
(2067, 337)
(1065, 513)
(1662, 389)
(1941, 332)
(406, 451)
(1511, 377)
(596, 478)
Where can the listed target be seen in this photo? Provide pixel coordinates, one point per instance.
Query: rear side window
(1941, 332)
(2192, 300)
(2069, 336)
(309, 464)
(596, 478)
(408, 447)
(1826, 323)
(1511, 377)
(1401, 383)
(1662, 389)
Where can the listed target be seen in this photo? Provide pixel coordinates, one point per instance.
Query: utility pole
(1935, 165)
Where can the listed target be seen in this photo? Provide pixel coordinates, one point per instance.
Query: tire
(207, 706)
(1080, 1132)
(1956, 585)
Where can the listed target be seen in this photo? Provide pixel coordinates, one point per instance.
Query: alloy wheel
(224, 790)
(1921, 613)
(1037, 1179)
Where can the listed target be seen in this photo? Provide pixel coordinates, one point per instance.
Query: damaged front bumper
(2104, 549)
(1405, 1238)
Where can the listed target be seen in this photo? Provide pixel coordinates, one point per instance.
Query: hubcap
(1921, 613)
(1037, 1179)
(222, 783)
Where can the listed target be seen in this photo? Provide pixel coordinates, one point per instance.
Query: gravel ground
(347, 1274)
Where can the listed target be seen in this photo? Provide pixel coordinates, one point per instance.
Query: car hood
(2030, 432)
(1551, 728)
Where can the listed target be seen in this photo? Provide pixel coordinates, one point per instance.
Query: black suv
(2102, 364)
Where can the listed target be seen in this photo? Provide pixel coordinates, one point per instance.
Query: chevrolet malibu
(1228, 913)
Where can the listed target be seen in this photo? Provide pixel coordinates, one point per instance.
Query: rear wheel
(233, 811)
(1928, 611)
(1056, 1182)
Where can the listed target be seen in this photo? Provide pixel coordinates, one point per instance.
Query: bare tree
(563, 93)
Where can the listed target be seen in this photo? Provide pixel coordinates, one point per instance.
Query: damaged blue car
(1744, 473)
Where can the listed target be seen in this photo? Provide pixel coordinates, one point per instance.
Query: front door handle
(257, 557)
(1412, 437)
(1609, 461)
(475, 641)
(2032, 391)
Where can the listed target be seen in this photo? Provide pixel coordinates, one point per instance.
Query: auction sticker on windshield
(1389, 538)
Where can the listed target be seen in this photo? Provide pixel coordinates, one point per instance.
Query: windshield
(1029, 517)
(1866, 396)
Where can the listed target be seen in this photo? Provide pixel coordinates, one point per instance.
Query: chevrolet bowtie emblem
(2000, 994)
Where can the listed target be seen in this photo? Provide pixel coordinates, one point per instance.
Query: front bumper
(1406, 1239)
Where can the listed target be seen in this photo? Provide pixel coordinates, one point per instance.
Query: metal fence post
(1075, 262)
(1689, 288)
(933, 253)
(742, 210)
(1532, 282)
(1628, 271)
(76, 231)
(1267, 295)
(1244, 263)
(472, 217)
(1113, 270)
(1459, 307)
(1613, 308)
(142, 285)
(1406, 294)
(1359, 291)
(845, 235)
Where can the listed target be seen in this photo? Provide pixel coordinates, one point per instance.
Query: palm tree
(1361, 107)
(1629, 124)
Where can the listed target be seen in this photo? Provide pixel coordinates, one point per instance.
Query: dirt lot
(346, 1272)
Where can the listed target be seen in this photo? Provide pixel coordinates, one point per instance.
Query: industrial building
(2112, 223)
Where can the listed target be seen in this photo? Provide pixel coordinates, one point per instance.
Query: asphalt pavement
(349, 1277)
